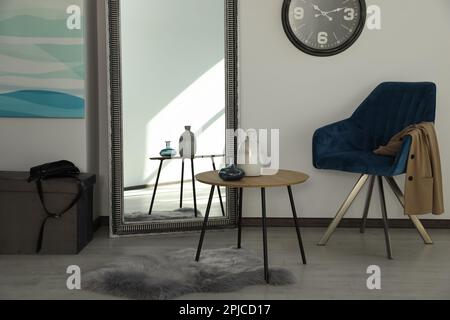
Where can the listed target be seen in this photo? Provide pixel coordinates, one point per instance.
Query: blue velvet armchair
(348, 145)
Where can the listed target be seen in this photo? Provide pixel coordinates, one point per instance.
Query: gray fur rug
(175, 274)
(183, 213)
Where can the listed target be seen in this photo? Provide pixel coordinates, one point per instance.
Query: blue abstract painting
(42, 59)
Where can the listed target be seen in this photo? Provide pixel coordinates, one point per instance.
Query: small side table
(284, 178)
(161, 162)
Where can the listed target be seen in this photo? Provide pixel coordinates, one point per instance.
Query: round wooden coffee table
(284, 178)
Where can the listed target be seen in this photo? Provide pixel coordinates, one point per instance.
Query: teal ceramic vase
(168, 152)
(231, 173)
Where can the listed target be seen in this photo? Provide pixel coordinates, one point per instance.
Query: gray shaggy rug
(183, 213)
(175, 274)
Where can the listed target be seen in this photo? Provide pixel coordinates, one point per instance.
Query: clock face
(323, 27)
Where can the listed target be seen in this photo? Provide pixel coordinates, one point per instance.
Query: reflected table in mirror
(284, 178)
(192, 160)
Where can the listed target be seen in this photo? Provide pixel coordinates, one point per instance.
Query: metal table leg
(156, 188)
(182, 183)
(367, 205)
(205, 224)
(297, 227)
(264, 227)
(218, 189)
(241, 197)
(193, 187)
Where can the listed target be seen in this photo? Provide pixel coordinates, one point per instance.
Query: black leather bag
(57, 169)
(54, 170)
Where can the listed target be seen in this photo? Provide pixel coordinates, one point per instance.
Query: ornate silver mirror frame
(117, 225)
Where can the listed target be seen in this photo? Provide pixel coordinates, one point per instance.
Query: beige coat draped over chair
(423, 185)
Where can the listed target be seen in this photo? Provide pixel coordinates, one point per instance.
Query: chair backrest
(393, 106)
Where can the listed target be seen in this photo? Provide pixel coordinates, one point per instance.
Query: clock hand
(316, 7)
(336, 10)
(325, 14)
(322, 13)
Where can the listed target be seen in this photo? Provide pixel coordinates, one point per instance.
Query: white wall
(28, 142)
(276, 79)
(281, 87)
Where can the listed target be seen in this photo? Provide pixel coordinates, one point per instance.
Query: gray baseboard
(323, 223)
(346, 223)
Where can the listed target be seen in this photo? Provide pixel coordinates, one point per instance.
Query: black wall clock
(323, 27)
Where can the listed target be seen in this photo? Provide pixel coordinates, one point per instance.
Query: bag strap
(51, 214)
(41, 235)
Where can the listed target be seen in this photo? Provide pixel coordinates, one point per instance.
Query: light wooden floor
(337, 271)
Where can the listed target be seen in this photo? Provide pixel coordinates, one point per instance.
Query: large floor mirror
(173, 75)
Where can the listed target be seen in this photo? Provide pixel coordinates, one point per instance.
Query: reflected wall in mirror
(173, 95)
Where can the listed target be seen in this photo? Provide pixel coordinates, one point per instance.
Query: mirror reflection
(173, 87)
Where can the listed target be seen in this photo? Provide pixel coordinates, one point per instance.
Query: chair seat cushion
(363, 162)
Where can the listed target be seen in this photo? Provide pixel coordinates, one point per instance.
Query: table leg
(297, 227)
(205, 224)
(218, 189)
(241, 197)
(264, 227)
(156, 188)
(182, 183)
(193, 187)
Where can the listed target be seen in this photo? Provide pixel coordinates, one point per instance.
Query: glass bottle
(168, 152)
